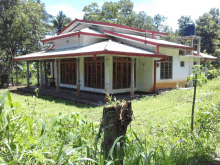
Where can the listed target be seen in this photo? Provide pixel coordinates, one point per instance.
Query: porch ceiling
(104, 47)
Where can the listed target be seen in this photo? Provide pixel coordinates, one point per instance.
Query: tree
(183, 22)
(92, 12)
(157, 21)
(143, 21)
(208, 27)
(61, 21)
(125, 13)
(118, 12)
(21, 29)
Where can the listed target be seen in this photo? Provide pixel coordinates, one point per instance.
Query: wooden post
(57, 82)
(45, 73)
(115, 120)
(38, 82)
(132, 77)
(78, 77)
(41, 76)
(194, 98)
(28, 74)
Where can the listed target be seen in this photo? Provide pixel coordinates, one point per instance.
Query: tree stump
(115, 120)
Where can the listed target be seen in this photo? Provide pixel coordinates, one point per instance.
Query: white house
(110, 58)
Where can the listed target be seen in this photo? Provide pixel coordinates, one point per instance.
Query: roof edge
(148, 42)
(113, 24)
(92, 53)
(74, 34)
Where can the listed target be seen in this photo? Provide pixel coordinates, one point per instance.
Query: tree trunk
(115, 121)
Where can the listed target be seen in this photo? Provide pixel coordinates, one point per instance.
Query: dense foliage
(208, 27)
(21, 29)
(60, 21)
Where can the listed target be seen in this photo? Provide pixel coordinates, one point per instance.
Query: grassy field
(150, 110)
(37, 132)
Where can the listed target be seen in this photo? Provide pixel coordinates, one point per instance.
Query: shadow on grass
(54, 99)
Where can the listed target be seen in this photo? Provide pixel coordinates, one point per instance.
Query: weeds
(71, 139)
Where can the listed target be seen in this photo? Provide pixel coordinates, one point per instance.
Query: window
(182, 63)
(181, 52)
(194, 63)
(166, 68)
(94, 72)
(68, 70)
(122, 72)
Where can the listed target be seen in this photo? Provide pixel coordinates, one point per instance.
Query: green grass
(154, 110)
(37, 133)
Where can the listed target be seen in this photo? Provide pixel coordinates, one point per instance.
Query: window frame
(182, 62)
(122, 72)
(68, 71)
(94, 72)
(166, 74)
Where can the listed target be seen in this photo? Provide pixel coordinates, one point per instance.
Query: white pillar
(198, 46)
(191, 44)
(78, 77)
(57, 73)
(107, 75)
(206, 74)
(184, 42)
(28, 74)
(132, 76)
(41, 75)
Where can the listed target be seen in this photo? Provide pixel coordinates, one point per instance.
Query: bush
(213, 73)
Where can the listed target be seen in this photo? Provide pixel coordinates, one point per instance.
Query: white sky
(172, 9)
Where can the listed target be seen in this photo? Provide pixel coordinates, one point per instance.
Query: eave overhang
(146, 41)
(105, 52)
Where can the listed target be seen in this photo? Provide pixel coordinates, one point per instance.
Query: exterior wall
(145, 74)
(179, 74)
(74, 41)
(62, 43)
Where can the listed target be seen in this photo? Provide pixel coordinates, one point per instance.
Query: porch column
(78, 77)
(57, 82)
(38, 82)
(41, 75)
(184, 43)
(191, 44)
(132, 76)
(16, 69)
(198, 46)
(28, 74)
(107, 75)
(206, 74)
(45, 73)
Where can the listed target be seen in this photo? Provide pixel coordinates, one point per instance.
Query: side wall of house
(74, 41)
(179, 74)
(145, 74)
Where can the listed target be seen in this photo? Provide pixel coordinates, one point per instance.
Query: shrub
(213, 73)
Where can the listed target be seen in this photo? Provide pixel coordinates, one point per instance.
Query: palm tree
(61, 21)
